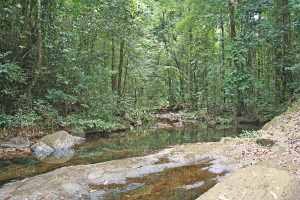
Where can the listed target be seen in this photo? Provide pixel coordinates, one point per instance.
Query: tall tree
(39, 68)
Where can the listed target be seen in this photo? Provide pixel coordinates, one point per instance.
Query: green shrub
(247, 135)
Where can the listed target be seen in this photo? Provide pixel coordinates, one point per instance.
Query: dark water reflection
(105, 147)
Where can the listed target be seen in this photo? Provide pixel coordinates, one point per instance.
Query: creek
(138, 142)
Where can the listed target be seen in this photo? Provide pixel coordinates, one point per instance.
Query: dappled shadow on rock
(265, 142)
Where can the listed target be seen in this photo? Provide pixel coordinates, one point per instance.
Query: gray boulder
(58, 141)
(16, 143)
(41, 150)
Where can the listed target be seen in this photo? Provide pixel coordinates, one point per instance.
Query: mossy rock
(59, 140)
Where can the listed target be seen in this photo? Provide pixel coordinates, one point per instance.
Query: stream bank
(271, 172)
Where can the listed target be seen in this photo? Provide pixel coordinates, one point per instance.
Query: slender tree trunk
(191, 71)
(122, 43)
(135, 92)
(125, 77)
(39, 68)
(233, 35)
(171, 95)
(287, 57)
(113, 76)
(223, 55)
(105, 51)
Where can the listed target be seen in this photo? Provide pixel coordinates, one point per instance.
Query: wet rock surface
(58, 156)
(73, 182)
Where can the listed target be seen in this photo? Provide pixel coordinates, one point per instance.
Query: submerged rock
(16, 143)
(59, 156)
(196, 185)
(219, 168)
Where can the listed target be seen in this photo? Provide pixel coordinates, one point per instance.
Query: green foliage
(247, 135)
(174, 53)
(11, 77)
(224, 120)
(142, 114)
(237, 79)
(84, 124)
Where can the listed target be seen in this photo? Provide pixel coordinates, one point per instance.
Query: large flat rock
(73, 182)
(256, 183)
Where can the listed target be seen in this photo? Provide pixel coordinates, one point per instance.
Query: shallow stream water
(138, 142)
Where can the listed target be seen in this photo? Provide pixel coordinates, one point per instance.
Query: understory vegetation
(92, 63)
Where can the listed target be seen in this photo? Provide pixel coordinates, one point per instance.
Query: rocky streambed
(251, 168)
(118, 176)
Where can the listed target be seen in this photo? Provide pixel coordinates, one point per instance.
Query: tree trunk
(239, 109)
(113, 76)
(39, 68)
(122, 43)
(125, 77)
(287, 57)
(223, 55)
(105, 52)
(135, 92)
(191, 71)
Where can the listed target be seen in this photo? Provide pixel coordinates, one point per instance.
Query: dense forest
(93, 62)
